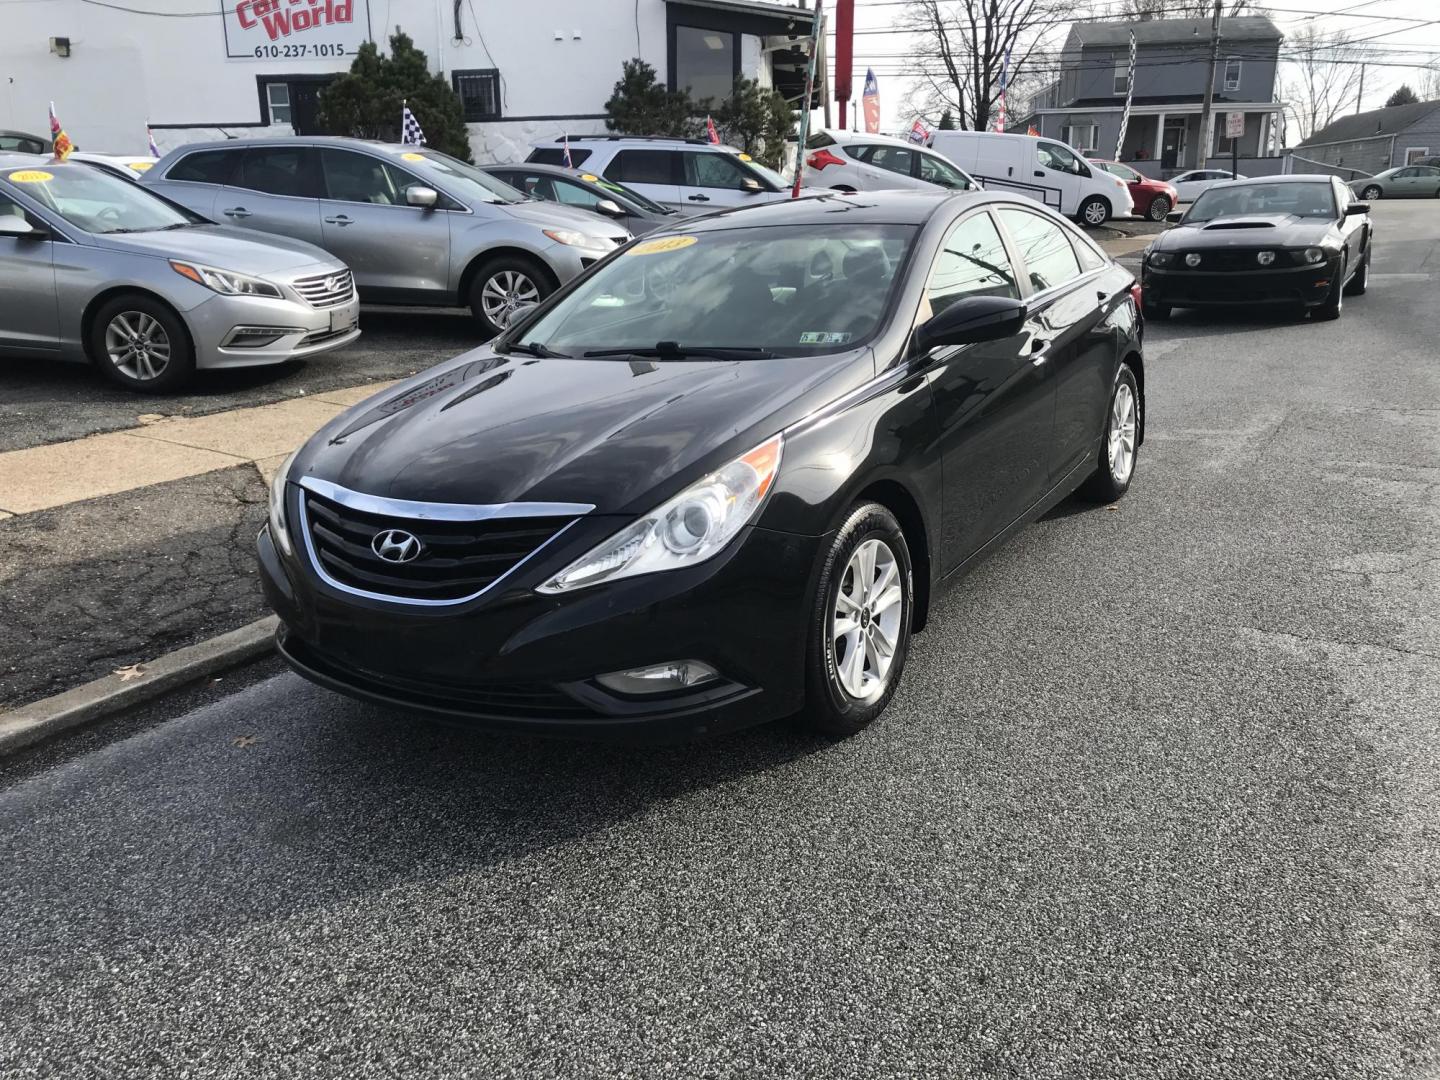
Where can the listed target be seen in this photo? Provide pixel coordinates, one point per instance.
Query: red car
(1153, 198)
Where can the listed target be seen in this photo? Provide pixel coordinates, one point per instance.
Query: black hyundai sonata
(718, 479)
(1302, 241)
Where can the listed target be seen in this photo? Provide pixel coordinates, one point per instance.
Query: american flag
(410, 133)
(58, 138)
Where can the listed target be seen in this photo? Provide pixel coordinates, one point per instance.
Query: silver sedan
(96, 268)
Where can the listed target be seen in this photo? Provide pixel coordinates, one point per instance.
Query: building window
(277, 97)
(1122, 77)
(705, 63)
(1232, 73)
(1416, 153)
(479, 93)
(1080, 136)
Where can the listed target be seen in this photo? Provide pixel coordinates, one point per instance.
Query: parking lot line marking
(42, 477)
(248, 434)
(352, 395)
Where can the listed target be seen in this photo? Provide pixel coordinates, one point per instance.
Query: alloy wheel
(1159, 208)
(137, 345)
(507, 293)
(865, 625)
(1370, 193)
(1095, 212)
(1121, 448)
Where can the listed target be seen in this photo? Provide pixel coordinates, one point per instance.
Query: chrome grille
(457, 559)
(326, 290)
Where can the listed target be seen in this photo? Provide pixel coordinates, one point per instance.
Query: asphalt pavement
(1158, 798)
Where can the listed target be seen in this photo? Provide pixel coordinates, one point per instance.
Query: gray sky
(1396, 42)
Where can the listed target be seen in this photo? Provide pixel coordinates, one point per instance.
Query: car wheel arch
(100, 299)
(504, 251)
(898, 499)
(1137, 365)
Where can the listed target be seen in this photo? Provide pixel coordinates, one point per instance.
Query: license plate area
(343, 319)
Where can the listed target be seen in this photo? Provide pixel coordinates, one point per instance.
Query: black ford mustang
(1297, 240)
(719, 478)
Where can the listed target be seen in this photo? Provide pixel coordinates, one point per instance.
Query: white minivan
(1043, 169)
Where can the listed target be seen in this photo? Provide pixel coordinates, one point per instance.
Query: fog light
(1192, 259)
(659, 678)
(254, 337)
(1265, 258)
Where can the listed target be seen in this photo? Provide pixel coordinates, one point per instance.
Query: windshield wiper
(180, 225)
(673, 350)
(535, 349)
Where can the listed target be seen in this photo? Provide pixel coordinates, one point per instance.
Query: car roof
(299, 140)
(841, 135)
(1293, 178)
(661, 142)
(889, 207)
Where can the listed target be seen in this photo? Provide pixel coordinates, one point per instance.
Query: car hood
(1249, 231)
(619, 434)
(550, 215)
(225, 248)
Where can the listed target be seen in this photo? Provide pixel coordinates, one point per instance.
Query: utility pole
(1361, 95)
(1202, 142)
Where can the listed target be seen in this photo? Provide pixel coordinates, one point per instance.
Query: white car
(853, 161)
(1189, 185)
(1041, 169)
(127, 168)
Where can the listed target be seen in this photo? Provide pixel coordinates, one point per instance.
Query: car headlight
(226, 282)
(576, 239)
(279, 526)
(1264, 258)
(692, 527)
(1161, 258)
(1314, 255)
(1193, 259)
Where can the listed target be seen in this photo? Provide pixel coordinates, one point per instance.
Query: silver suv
(689, 175)
(415, 225)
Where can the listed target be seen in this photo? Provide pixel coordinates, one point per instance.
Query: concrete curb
(40, 720)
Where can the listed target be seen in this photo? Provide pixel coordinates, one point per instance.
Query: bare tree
(961, 46)
(1428, 86)
(1324, 81)
(1186, 9)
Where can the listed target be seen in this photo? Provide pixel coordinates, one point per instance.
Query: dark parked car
(718, 479)
(586, 191)
(22, 142)
(1299, 240)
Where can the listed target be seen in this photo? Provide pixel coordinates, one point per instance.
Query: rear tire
(505, 288)
(138, 342)
(1159, 208)
(1094, 211)
(1373, 192)
(862, 608)
(1119, 442)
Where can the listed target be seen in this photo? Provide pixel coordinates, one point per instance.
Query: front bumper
(516, 660)
(219, 328)
(568, 261)
(1308, 285)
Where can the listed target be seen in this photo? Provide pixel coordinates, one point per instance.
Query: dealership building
(212, 69)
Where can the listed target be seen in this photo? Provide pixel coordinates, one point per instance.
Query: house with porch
(1085, 105)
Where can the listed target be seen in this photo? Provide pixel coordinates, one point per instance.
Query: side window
(548, 155)
(205, 167)
(972, 262)
(352, 177)
(860, 153)
(939, 171)
(9, 208)
(1090, 259)
(714, 171)
(281, 170)
(536, 184)
(642, 167)
(896, 159)
(1049, 259)
(573, 194)
(1054, 156)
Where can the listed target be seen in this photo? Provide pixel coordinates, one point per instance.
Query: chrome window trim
(433, 511)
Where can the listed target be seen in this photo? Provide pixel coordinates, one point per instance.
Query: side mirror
(610, 208)
(10, 225)
(977, 318)
(1357, 208)
(751, 186)
(1174, 216)
(423, 197)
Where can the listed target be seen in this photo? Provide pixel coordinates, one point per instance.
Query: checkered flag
(410, 133)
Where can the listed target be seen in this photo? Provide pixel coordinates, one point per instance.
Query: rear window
(205, 167)
(555, 155)
(819, 139)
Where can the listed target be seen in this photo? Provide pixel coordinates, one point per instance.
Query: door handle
(1037, 350)
(1039, 172)
(339, 219)
(236, 211)
(699, 198)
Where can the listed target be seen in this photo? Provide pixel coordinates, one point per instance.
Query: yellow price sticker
(31, 176)
(744, 157)
(588, 178)
(665, 243)
(140, 166)
(412, 157)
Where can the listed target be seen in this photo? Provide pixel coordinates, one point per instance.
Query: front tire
(504, 289)
(1361, 281)
(1159, 208)
(1335, 302)
(1095, 211)
(139, 342)
(1119, 444)
(1371, 193)
(859, 624)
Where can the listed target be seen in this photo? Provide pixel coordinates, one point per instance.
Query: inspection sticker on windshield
(30, 176)
(665, 243)
(825, 337)
(412, 157)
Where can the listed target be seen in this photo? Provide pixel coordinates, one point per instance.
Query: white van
(1047, 171)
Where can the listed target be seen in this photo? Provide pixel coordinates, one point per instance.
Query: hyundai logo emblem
(396, 545)
(333, 284)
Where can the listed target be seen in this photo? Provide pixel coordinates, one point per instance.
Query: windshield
(781, 184)
(1114, 168)
(97, 201)
(629, 193)
(791, 290)
(467, 181)
(1304, 200)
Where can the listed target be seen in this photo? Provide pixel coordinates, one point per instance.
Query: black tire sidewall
(828, 707)
(1102, 485)
(528, 267)
(1334, 303)
(182, 348)
(1366, 196)
(1159, 200)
